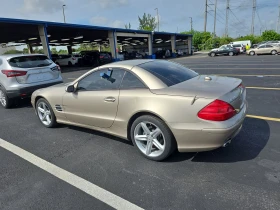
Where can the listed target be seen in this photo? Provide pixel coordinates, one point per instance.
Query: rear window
(168, 72)
(30, 61)
(237, 45)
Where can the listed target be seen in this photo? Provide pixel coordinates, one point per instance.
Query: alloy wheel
(44, 113)
(149, 139)
(3, 98)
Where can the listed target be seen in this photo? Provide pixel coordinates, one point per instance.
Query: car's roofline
(9, 56)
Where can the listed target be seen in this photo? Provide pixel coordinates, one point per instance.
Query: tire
(273, 52)
(5, 101)
(230, 53)
(252, 53)
(163, 140)
(213, 54)
(69, 63)
(49, 120)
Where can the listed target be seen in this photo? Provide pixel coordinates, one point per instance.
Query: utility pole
(215, 18)
(191, 24)
(205, 17)
(157, 18)
(63, 12)
(278, 22)
(227, 16)
(253, 18)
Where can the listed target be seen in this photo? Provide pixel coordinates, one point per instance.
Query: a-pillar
(44, 39)
(150, 45)
(173, 45)
(190, 45)
(113, 44)
(30, 49)
(69, 48)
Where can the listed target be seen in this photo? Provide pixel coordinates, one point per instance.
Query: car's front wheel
(252, 53)
(230, 53)
(4, 100)
(273, 52)
(45, 113)
(152, 138)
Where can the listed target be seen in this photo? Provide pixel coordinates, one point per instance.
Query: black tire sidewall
(53, 120)
(169, 139)
(9, 102)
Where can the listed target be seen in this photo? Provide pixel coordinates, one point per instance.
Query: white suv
(21, 75)
(67, 60)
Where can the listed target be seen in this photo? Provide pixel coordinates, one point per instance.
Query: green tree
(147, 22)
(127, 26)
(270, 35)
(53, 50)
(25, 51)
(61, 51)
(13, 52)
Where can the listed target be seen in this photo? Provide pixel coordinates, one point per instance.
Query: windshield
(168, 72)
(30, 61)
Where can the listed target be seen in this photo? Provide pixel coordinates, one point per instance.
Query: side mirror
(70, 89)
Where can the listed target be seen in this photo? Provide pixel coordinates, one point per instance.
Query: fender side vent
(58, 108)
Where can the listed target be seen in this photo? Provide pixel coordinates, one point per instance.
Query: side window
(269, 46)
(262, 46)
(95, 82)
(1, 62)
(131, 82)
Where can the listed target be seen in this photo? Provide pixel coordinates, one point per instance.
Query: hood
(200, 87)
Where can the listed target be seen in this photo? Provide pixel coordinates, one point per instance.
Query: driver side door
(95, 101)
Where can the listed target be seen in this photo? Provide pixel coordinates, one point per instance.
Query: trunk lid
(212, 87)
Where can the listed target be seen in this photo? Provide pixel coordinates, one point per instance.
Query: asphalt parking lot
(75, 168)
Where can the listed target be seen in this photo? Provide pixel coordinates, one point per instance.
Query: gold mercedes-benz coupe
(159, 105)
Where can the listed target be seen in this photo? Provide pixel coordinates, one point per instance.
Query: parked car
(24, 73)
(67, 60)
(264, 49)
(105, 57)
(54, 57)
(245, 42)
(135, 100)
(89, 58)
(240, 47)
(224, 50)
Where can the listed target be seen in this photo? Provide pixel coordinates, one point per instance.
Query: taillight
(73, 58)
(101, 56)
(241, 86)
(13, 73)
(217, 111)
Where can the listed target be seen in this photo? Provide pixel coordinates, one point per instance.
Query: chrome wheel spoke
(141, 138)
(48, 118)
(44, 113)
(145, 128)
(155, 133)
(149, 147)
(158, 145)
(41, 110)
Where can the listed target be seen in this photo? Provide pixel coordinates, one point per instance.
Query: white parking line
(78, 182)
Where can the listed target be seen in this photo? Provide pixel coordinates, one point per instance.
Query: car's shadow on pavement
(22, 103)
(245, 146)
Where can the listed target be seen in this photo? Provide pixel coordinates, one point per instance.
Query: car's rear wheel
(273, 52)
(45, 113)
(252, 53)
(4, 100)
(230, 53)
(213, 54)
(152, 138)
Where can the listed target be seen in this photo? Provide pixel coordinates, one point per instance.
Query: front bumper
(26, 92)
(199, 139)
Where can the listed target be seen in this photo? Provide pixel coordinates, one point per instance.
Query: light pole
(63, 12)
(191, 24)
(157, 18)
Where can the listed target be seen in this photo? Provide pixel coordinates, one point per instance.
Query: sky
(174, 15)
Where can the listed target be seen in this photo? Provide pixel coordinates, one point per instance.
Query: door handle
(110, 99)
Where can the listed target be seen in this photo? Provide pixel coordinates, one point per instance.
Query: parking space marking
(262, 88)
(72, 179)
(264, 118)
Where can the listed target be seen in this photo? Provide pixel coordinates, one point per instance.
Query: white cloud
(117, 24)
(98, 20)
(41, 6)
(110, 3)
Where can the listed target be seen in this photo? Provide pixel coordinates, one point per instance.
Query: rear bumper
(26, 92)
(205, 139)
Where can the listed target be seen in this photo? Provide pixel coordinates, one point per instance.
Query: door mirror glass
(70, 89)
